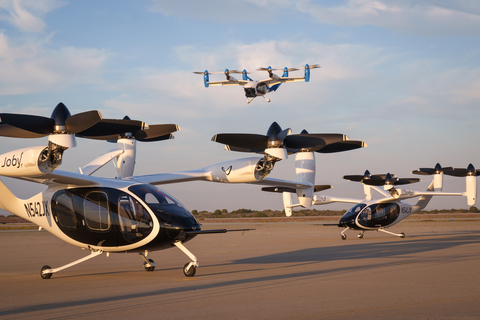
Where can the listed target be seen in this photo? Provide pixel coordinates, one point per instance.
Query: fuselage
(372, 215)
(117, 216)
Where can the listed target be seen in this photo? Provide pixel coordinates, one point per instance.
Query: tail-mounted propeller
(380, 179)
(60, 126)
(461, 172)
(127, 128)
(429, 171)
(276, 142)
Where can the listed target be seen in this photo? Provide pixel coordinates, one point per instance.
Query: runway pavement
(278, 271)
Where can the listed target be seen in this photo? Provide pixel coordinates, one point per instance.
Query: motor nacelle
(240, 171)
(31, 161)
(401, 193)
(254, 89)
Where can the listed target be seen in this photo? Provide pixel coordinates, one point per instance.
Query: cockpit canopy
(373, 216)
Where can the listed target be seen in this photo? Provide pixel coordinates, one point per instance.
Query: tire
(46, 275)
(402, 235)
(344, 236)
(148, 268)
(191, 272)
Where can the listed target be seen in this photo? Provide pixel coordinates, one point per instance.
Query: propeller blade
(107, 127)
(354, 177)
(342, 146)
(242, 140)
(299, 141)
(155, 132)
(82, 121)
(374, 182)
(7, 130)
(406, 181)
(36, 124)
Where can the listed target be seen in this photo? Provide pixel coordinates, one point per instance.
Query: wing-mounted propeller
(334, 142)
(60, 127)
(388, 181)
(269, 70)
(437, 172)
(470, 171)
(114, 129)
(125, 133)
(275, 143)
(470, 174)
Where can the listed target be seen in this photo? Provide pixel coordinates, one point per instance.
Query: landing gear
(189, 268)
(148, 264)
(46, 272)
(401, 235)
(344, 236)
(45, 275)
(360, 235)
(147, 267)
(268, 100)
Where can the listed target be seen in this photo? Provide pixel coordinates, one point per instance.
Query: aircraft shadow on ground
(295, 258)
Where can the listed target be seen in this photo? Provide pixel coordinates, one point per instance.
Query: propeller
(275, 138)
(461, 172)
(429, 171)
(113, 129)
(334, 142)
(61, 121)
(59, 126)
(380, 179)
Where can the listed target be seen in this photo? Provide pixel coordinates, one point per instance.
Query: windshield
(352, 213)
(164, 206)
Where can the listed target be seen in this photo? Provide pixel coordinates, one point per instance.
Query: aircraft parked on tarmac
(255, 88)
(379, 214)
(124, 214)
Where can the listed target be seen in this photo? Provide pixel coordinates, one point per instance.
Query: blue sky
(403, 76)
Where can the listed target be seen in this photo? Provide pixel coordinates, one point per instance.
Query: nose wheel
(189, 269)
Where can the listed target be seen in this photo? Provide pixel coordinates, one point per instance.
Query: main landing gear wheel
(344, 236)
(45, 275)
(191, 272)
(402, 235)
(151, 268)
(360, 236)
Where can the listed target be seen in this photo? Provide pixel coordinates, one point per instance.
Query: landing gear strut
(189, 268)
(46, 272)
(344, 236)
(401, 235)
(149, 264)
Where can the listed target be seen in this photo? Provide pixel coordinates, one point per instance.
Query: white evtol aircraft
(126, 213)
(379, 214)
(255, 88)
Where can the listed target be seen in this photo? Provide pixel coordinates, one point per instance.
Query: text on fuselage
(37, 209)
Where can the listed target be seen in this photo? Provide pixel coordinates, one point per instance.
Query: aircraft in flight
(254, 88)
(123, 214)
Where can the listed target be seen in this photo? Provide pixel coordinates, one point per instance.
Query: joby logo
(227, 170)
(13, 162)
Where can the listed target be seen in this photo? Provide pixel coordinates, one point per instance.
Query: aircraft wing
(228, 83)
(283, 183)
(63, 177)
(173, 177)
(274, 81)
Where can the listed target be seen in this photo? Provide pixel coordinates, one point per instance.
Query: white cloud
(27, 15)
(427, 18)
(33, 67)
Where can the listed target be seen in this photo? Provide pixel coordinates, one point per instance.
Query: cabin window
(95, 206)
(62, 208)
(135, 221)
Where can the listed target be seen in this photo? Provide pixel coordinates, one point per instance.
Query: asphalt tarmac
(278, 271)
